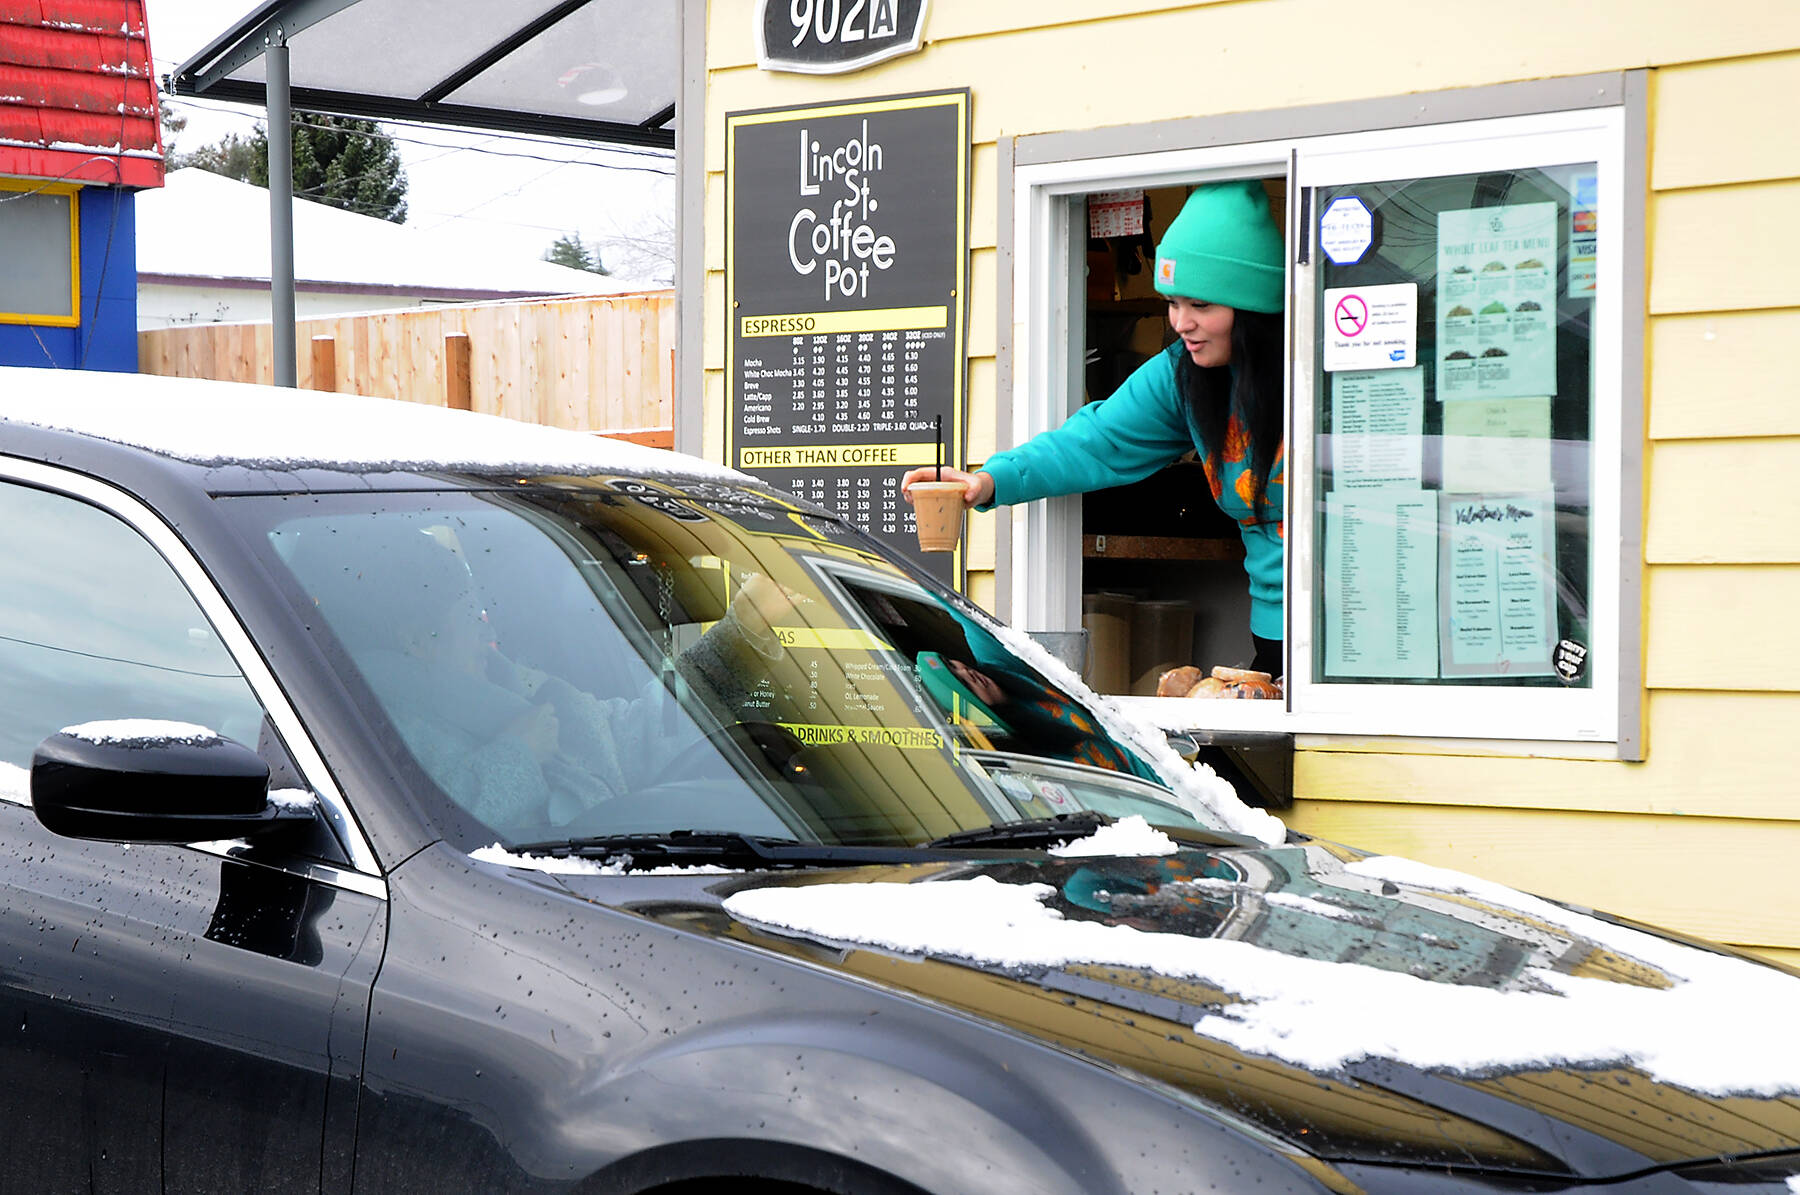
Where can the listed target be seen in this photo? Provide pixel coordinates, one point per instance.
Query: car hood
(1362, 1008)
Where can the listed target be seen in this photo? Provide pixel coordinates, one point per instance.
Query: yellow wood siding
(1725, 627)
(1694, 767)
(1725, 248)
(1724, 374)
(1118, 66)
(1788, 958)
(1702, 833)
(1712, 123)
(1715, 877)
(1759, 523)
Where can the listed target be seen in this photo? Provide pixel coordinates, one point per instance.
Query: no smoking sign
(1351, 316)
(1372, 327)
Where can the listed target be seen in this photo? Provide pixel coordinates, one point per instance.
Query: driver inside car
(515, 746)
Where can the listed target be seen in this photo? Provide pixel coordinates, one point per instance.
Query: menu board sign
(1497, 301)
(846, 270)
(1499, 613)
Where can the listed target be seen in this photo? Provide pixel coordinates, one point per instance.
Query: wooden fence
(601, 363)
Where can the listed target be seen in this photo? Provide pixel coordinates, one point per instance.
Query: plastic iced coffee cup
(938, 510)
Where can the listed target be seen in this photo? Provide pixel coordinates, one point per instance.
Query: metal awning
(596, 70)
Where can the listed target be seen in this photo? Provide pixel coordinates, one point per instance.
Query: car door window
(94, 624)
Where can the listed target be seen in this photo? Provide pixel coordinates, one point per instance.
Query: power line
(502, 195)
(438, 219)
(206, 106)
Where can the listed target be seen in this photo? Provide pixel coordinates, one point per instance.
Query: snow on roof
(204, 225)
(232, 423)
(80, 102)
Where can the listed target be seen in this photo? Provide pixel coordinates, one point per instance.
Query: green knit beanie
(1224, 248)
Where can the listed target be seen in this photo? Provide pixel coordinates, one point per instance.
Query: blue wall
(107, 335)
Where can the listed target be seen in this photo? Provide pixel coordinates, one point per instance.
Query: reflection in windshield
(624, 657)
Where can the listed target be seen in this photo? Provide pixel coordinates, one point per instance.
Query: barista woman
(1217, 391)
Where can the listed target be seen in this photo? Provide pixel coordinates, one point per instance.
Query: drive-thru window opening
(1465, 330)
(1162, 578)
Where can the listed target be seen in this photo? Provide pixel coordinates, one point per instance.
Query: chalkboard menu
(846, 271)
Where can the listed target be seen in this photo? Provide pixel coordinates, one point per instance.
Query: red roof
(78, 93)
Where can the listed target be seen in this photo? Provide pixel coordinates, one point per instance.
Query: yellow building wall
(1704, 835)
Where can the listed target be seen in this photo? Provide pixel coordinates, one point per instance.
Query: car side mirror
(153, 782)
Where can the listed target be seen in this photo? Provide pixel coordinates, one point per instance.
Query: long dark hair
(1256, 361)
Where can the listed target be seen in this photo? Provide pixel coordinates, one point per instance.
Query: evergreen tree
(344, 162)
(338, 160)
(234, 156)
(570, 250)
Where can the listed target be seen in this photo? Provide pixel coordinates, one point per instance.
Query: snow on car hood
(1322, 1013)
(1379, 980)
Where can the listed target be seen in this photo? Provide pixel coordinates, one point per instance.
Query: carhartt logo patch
(1165, 270)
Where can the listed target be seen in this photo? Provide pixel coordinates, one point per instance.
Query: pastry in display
(1177, 681)
(1230, 683)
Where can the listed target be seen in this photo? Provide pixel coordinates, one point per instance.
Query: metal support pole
(281, 210)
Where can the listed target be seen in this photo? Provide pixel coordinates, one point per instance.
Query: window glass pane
(34, 227)
(95, 625)
(1455, 418)
(621, 657)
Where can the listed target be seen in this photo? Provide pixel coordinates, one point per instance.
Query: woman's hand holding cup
(978, 487)
(939, 497)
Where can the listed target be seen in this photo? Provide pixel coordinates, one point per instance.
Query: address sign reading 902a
(833, 36)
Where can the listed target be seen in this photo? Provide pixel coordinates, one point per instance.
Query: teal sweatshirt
(1141, 428)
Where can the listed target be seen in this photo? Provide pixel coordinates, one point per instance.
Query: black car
(393, 799)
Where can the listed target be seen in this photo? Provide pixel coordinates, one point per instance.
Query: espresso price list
(835, 384)
(837, 412)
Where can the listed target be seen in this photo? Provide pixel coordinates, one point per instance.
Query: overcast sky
(458, 181)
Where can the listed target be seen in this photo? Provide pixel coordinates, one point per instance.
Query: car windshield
(605, 657)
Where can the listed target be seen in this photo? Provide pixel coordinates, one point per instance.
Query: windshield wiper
(1037, 831)
(731, 848)
(722, 848)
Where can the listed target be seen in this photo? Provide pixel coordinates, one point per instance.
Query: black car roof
(227, 437)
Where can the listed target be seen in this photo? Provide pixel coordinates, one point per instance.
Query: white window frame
(1046, 536)
(1039, 548)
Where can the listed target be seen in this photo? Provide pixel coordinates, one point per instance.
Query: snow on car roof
(267, 427)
